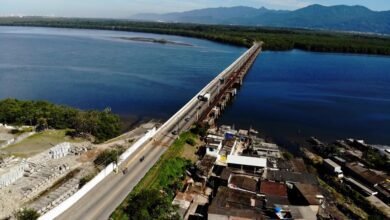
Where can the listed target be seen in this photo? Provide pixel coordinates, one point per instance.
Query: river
(286, 94)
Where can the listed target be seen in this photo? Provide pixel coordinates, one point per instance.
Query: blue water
(326, 95)
(286, 94)
(93, 69)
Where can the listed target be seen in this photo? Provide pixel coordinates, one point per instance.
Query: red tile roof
(273, 188)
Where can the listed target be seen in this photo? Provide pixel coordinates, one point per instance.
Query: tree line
(103, 125)
(273, 38)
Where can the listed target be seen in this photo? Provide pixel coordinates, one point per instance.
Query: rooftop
(226, 173)
(285, 165)
(273, 189)
(366, 174)
(311, 193)
(243, 182)
(285, 176)
(247, 161)
(206, 164)
(236, 203)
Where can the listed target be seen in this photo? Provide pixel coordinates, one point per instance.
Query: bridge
(204, 107)
(221, 89)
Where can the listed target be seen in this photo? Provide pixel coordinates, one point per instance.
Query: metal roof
(247, 161)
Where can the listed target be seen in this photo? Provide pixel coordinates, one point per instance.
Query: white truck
(204, 97)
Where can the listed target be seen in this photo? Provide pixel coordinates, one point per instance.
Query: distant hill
(340, 17)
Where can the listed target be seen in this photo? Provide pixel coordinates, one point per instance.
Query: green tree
(42, 124)
(151, 204)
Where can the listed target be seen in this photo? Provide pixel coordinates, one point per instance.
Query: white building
(333, 167)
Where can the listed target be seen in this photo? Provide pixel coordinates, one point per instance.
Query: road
(102, 200)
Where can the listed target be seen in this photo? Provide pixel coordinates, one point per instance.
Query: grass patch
(166, 175)
(39, 142)
(342, 201)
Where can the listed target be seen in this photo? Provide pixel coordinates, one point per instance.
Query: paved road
(102, 200)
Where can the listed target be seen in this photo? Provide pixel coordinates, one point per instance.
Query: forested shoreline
(103, 125)
(277, 39)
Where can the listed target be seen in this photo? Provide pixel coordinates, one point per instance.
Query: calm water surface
(95, 69)
(285, 94)
(327, 95)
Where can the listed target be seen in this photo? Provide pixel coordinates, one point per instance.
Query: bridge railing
(239, 61)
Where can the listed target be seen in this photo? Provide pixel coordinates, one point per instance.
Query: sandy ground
(38, 146)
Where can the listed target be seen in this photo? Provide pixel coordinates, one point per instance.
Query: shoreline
(242, 36)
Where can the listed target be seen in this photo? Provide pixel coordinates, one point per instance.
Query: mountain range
(339, 17)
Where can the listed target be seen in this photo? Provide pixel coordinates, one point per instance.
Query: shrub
(85, 180)
(190, 141)
(108, 156)
(27, 214)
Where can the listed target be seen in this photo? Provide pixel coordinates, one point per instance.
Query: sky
(127, 8)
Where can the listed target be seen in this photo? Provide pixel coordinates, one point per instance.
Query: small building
(275, 194)
(273, 189)
(183, 201)
(333, 168)
(359, 187)
(225, 176)
(253, 164)
(383, 189)
(213, 149)
(310, 195)
(205, 166)
(284, 165)
(244, 183)
(290, 177)
(214, 138)
(302, 213)
(364, 175)
(231, 204)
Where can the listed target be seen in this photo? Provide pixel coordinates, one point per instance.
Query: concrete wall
(17, 139)
(96, 180)
(150, 134)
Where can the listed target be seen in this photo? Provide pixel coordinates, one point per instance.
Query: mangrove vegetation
(273, 38)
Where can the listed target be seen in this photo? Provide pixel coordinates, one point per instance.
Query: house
(307, 194)
(244, 183)
(333, 168)
(290, 177)
(183, 201)
(252, 164)
(364, 175)
(205, 166)
(359, 187)
(237, 159)
(268, 188)
(231, 204)
(275, 194)
(383, 189)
